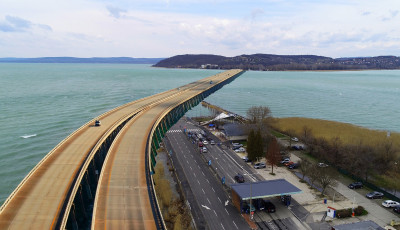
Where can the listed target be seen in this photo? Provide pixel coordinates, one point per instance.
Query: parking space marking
(222, 226)
(203, 191)
(194, 174)
(227, 212)
(213, 189)
(216, 214)
(208, 201)
(219, 200)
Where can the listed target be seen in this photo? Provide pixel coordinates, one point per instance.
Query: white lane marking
(222, 226)
(216, 214)
(203, 191)
(184, 156)
(208, 201)
(227, 212)
(199, 167)
(190, 167)
(219, 200)
(213, 189)
(187, 161)
(198, 181)
(208, 181)
(194, 174)
(235, 224)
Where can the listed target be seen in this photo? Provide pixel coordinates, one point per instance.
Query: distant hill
(110, 60)
(271, 62)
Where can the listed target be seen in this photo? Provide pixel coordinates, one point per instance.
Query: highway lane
(122, 197)
(225, 162)
(206, 187)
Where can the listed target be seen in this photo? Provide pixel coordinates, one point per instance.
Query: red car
(201, 144)
(289, 163)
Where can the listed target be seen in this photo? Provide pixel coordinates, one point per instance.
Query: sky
(164, 28)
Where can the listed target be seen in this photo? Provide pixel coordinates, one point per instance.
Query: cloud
(14, 24)
(392, 14)
(115, 11)
(17, 24)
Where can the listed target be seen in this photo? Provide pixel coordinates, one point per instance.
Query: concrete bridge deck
(43, 200)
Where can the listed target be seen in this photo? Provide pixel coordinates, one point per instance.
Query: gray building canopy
(263, 189)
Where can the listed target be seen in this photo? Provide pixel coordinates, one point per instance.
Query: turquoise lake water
(41, 104)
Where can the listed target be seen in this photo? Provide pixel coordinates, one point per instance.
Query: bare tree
(273, 154)
(305, 168)
(259, 114)
(307, 135)
(326, 177)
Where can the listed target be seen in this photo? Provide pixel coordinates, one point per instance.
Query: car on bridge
(97, 123)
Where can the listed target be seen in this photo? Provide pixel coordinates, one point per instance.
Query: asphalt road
(224, 163)
(211, 198)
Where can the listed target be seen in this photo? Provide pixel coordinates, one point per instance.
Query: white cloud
(160, 28)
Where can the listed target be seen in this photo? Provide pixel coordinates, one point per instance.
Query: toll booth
(244, 192)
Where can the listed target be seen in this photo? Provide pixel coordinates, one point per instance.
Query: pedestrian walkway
(180, 130)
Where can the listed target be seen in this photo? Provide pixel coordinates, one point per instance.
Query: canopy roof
(263, 189)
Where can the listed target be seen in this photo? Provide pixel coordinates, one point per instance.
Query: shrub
(344, 213)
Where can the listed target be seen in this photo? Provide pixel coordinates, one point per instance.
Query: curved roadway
(38, 200)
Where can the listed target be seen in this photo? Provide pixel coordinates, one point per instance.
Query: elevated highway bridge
(101, 177)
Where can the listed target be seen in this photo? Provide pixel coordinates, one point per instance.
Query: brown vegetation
(365, 153)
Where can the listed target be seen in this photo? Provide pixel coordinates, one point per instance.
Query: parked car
(269, 206)
(201, 144)
(246, 159)
(390, 203)
(286, 160)
(374, 195)
(212, 142)
(297, 147)
(237, 144)
(293, 166)
(205, 142)
(240, 150)
(248, 208)
(236, 147)
(322, 165)
(355, 185)
(397, 209)
(259, 165)
(295, 139)
(204, 149)
(239, 178)
(288, 163)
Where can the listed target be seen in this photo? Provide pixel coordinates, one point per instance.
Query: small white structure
(331, 212)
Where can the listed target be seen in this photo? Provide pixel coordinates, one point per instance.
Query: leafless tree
(259, 115)
(307, 135)
(273, 155)
(305, 168)
(326, 177)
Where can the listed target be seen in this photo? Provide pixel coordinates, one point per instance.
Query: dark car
(293, 166)
(397, 209)
(269, 206)
(246, 159)
(97, 123)
(239, 178)
(355, 185)
(374, 195)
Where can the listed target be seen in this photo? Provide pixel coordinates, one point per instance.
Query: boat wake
(28, 136)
